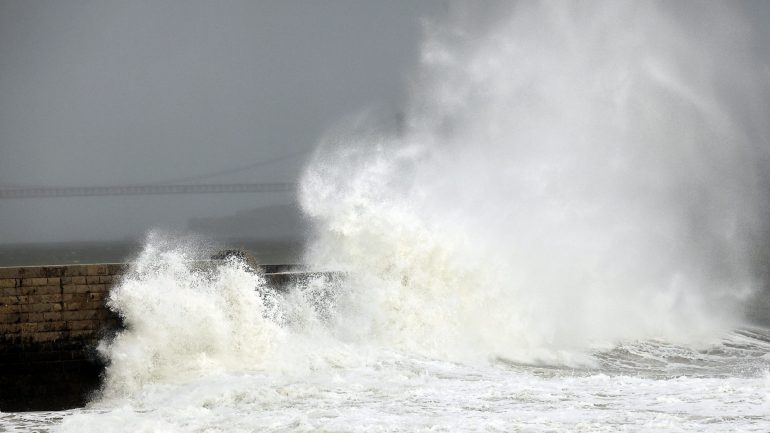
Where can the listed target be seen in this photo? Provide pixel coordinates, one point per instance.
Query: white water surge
(564, 237)
(578, 174)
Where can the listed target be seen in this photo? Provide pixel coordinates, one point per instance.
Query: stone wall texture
(41, 305)
(51, 319)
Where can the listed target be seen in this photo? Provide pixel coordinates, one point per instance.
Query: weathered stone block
(32, 317)
(83, 325)
(28, 328)
(9, 273)
(96, 288)
(41, 290)
(78, 280)
(52, 271)
(96, 269)
(10, 328)
(92, 279)
(80, 315)
(10, 308)
(117, 268)
(75, 306)
(26, 282)
(74, 297)
(55, 281)
(50, 316)
(85, 334)
(10, 318)
(12, 300)
(9, 282)
(10, 291)
(27, 308)
(40, 308)
(42, 337)
(75, 270)
(98, 296)
(41, 299)
(76, 289)
(52, 326)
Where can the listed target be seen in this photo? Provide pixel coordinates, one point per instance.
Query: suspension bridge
(180, 185)
(86, 191)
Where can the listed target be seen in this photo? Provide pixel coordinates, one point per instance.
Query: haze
(96, 93)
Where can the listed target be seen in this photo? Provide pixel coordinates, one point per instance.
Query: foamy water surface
(397, 392)
(314, 381)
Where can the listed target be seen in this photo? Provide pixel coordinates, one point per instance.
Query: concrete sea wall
(51, 320)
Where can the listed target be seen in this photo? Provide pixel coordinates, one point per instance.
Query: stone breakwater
(51, 319)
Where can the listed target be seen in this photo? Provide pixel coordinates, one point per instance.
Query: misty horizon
(136, 93)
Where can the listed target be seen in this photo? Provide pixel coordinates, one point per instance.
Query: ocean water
(220, 352)
(570, 233)
(404, 393)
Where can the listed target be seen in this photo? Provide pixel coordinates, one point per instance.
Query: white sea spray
(576, 174)
(562, 238)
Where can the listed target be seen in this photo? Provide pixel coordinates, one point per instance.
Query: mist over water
(577, 174)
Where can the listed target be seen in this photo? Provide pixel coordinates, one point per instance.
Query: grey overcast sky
(110, 92)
